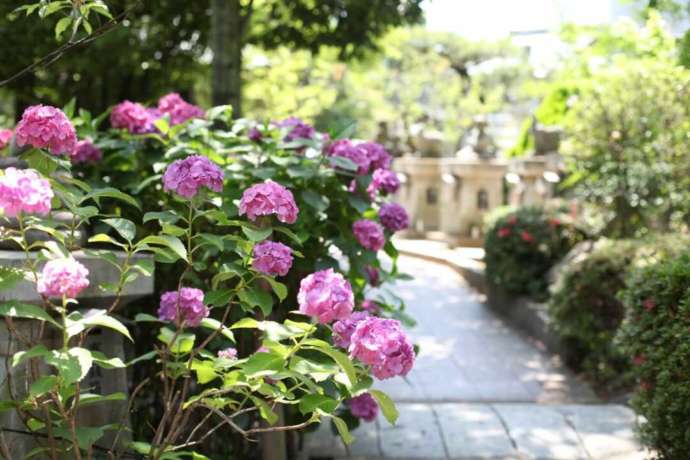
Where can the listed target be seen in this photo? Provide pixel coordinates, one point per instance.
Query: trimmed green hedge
(656, 332)
(523, 245)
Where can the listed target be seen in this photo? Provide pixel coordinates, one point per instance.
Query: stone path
(480, 390)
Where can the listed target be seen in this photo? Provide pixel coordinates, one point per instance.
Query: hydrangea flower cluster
(297, 129)
(187, 306)
(63, 277)
(343, 329)
(364, 406)
(382, 344)
(46, 127)
(228, 353)
(86, 152)
(373, 275)
(326, 296)
(185, 177)
(384, 180)
(378, 155)
(5, 137)
(394, 217)
(133, 117)
(254, 134)
(369, 234)
(269, 198)
(178, 109)
(272, 258)
(24, 190)
(345, 148)
(370, 306)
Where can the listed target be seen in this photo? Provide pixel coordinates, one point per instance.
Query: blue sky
(497, 18)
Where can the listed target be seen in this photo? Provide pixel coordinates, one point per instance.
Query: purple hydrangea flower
(345, 148)
(370, 306)
(178, 109)
(369, 234)
(296, 129)
(24, 190)
(272, 258)
(385, 180)
(254, 134)
(5, 137)
(382, 344)
(63, 277)
(378, 155)
(326, 295)
(372, 275)
(343, 329)
(46, 127)
(394, 217)
(228, 353)
(187, 306)
(133, 117)
(364, 406)
(269, 198)
(86, 152)
(185, 177)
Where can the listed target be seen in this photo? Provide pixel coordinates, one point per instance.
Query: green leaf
(43, 385)
(258, 234)
(219, 297)
(145, 318)
(214, 324)
(279, 288)
(61, 26)
(344, 432)
(170, 242)
(343, 163)
(341, 358)
(257, 298)
(124, 227)
(10, 276)
(86, 399)
(310, 402)
(205, 372)
(110, 192)
(95, 318)
(386, 404)
(16, 309)
(213, 240)
(72, 365)
(184, 343)
(163, 216)
(317, 201)
(107, 363)
(265, 411)
(260, 364)
(34, 352)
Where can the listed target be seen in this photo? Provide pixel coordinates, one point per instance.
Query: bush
(656, 333)
(522, 246)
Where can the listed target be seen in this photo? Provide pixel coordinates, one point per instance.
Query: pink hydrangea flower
(178, 109)
(343, 329)
(185, 177)
(378, 155)
(228, 353)
(254, 134)
(269, 198)
(86, 152)
(24, 190)
(46, 127)
(63, 277)
(372, 275)
(382, 344)
(394, 217)
(347, 149)
(272, 258)
(369, 234)
(5, 138)
(133, 117)
(187, 307)
(297, 129)
(370, 306)
(385, 180)
(364, 406)
(326, 295)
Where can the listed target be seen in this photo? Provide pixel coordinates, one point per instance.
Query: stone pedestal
(533, 188)
(111, 343)
(420, 193)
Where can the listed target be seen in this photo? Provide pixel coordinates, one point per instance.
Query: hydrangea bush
(267, 247)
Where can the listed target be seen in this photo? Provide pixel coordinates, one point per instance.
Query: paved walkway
(480, 390)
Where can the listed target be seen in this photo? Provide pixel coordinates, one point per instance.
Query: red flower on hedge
(639, 359)
(503, 232)
(649, 304)
(554, 222)
(512, 220)
(527, 237)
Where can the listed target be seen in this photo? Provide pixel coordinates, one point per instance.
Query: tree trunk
(226, 42)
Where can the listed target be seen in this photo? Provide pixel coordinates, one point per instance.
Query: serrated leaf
(344, 432)
(214, 325)
(124, 227)
(258, 234)
(170, 242)
(386, 404)
(110, 192)
(15, 309)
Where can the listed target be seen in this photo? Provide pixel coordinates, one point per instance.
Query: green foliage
(523, 245)
(656, 333)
